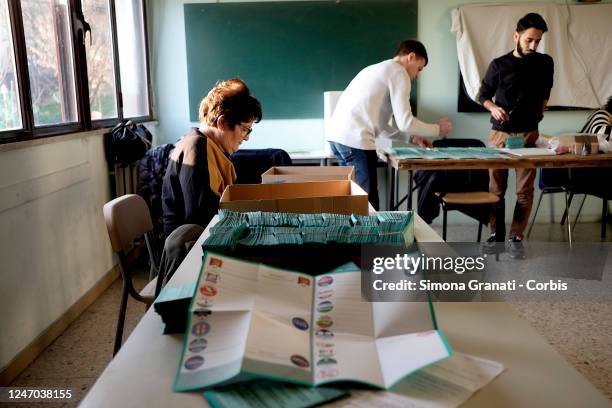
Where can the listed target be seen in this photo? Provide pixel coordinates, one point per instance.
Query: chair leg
(579, 209)
(121, 319)
(568, 202)
(479, 231)
(604, 215)
(444, 216)
(535, 214)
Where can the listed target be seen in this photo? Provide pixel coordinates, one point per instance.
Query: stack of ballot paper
(446, 153)
(446, 384)
(530, 151)
(250, 319)
(172, 305)
(271, 229)
(288, 240)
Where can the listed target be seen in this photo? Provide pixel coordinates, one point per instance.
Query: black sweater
(197, 173)
(520, 86)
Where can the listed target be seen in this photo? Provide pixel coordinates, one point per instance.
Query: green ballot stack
(410, 153)
(271, 394)
(289, 240)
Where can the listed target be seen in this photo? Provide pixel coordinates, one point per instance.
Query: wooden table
(142, 373)
(396, 164)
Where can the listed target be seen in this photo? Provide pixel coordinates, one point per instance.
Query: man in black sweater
(515, 90)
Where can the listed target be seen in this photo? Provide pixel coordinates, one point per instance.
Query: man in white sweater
(377, 104)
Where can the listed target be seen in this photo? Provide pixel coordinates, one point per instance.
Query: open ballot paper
(249, 318)
(446, 384)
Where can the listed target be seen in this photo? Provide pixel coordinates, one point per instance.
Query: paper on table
(457, 153)
(446, 384)
(529, 151)
(271, 394)
(291, 326)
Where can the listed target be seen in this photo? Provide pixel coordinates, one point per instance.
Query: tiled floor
(82, 352)
(582, 333)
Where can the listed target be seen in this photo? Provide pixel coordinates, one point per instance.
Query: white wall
(437, 90)
(53, 241)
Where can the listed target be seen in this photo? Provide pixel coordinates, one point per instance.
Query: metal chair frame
(127, 218)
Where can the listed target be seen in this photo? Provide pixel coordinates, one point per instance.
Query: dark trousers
(365, 162)
(176, 247)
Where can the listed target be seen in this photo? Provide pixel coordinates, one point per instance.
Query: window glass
(132, 59)
(100, 61)
(46, 25)
(10, 112)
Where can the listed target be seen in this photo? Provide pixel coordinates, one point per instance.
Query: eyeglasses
(245, 129)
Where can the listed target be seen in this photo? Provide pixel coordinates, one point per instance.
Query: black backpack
(126, 143)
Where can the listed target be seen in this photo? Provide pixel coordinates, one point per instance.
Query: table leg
(409, 192)
(391, 189)
(567, 208)
(569, 221)
(500, 220)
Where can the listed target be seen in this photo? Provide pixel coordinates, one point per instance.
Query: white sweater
(377, 104)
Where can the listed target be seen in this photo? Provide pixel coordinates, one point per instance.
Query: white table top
(142, 373)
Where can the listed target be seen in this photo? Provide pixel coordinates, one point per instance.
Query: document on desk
(446, 384)
(456, 153)
(529, 151)
(251, 319)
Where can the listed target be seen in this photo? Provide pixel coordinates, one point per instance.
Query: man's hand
(421, 141)
(497, 112)
(445, 126)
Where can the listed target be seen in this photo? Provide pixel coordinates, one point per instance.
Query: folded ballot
(250, 319)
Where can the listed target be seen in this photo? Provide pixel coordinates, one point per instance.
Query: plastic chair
(552, 181)
(591, 181)
(251, 163)
(127, 218)
(457, 201)
(475, 201)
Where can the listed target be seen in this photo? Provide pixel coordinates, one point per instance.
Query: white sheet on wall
(579, 39)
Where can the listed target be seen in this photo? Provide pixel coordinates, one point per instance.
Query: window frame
(29, 131)
(145, 30)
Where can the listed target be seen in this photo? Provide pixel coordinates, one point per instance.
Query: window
(62, 68)
(10, 110)
(46, 26)
(100, 60)
(132, 57)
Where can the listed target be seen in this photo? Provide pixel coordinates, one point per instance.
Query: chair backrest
(126, 217)
(464, 180)
(250, 163)
(452, 142)
(553, 178)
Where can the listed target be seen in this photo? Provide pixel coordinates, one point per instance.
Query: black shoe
(492, 246)
(516, 249)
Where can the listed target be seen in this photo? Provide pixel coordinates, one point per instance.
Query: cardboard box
(577, 140)
(338, 197)
(297, 174)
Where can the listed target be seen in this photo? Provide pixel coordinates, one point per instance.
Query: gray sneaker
(492, 246)
(516, 249)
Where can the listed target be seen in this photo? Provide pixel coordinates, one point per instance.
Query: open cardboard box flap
(293, 174)
(339, 197)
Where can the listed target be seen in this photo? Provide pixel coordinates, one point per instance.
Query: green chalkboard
(289, 53)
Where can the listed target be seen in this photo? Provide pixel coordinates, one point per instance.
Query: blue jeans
(365, 162)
